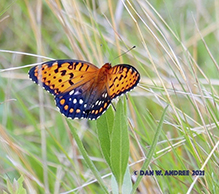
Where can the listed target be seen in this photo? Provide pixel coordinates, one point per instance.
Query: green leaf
(114, 185)
(127, 183)
(10, 186)
(119, 152)
(17, 186)
(104, 131)
(21, 189)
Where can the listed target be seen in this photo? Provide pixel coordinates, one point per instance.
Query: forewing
(122, 78)
(61, 76)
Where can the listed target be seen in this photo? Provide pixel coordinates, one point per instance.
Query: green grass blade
(86, 158)
(150, 154)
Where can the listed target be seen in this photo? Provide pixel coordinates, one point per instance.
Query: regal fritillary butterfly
(81, 89)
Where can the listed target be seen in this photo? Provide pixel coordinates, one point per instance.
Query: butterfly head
(106, 66)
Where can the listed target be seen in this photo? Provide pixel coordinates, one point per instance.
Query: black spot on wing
(34, 79)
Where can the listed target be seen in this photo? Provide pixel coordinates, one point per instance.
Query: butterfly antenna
(124, 53)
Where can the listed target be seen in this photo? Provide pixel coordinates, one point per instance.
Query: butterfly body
(81, 89)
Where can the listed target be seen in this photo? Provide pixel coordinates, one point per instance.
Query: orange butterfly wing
(81, 89)
(60, 76)
(122, 78)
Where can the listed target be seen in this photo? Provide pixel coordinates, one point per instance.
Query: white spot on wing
(81, 101)
(72, 92)
(77, 92)
(75, 101)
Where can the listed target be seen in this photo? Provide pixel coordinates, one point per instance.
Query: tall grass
(177, 56)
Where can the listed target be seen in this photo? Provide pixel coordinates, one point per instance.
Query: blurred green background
(177, 56)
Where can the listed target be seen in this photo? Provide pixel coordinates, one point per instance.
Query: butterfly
(82, 90)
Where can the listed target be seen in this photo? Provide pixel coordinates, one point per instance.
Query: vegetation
(169, 122)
